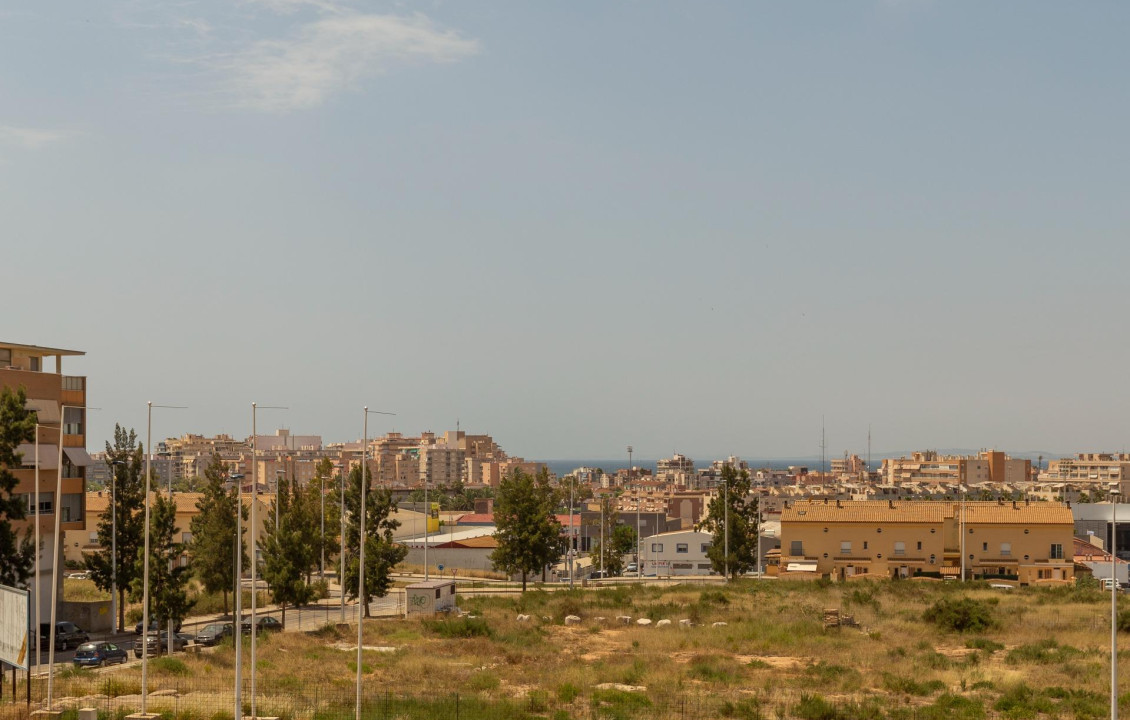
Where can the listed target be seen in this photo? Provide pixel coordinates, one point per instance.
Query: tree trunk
(283, 606)
(121, 610)
(523, 581)
(367, 615)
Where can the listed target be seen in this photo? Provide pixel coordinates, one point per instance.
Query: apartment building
(677, 469)
(1090, 469)
(59, 402)
(1026, 543)
(929, 468)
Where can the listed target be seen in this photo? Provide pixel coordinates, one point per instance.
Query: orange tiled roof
(918, 511)
(864, 511)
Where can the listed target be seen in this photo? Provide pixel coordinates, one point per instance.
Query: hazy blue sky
(579, 225)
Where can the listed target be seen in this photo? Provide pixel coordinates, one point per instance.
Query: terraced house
(1014, 542)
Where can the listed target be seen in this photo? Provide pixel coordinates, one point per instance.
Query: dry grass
(1048, 653)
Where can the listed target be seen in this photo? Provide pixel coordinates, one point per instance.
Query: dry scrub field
(1046, 654)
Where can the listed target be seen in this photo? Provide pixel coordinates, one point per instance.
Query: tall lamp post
(361, 598)
(1114, 493)
(38, 550)
(145, 556)
(570, 552)
(237, 605)
(254, 551)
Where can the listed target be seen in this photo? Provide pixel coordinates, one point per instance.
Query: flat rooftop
(39, 350)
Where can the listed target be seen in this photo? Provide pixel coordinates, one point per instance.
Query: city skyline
(578, 227)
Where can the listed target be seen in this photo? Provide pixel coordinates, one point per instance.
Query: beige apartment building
(930, 468)
(1029, 544)
(1102, 469)
(59, 402)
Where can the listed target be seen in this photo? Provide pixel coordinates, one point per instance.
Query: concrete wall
(90, 616)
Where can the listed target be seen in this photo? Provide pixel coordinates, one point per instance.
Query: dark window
(679, 547)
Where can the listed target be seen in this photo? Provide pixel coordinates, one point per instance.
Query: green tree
(168, 579)
(742, 517)
(17, 426)
(214, 532)
(124, 458)
(381, 553)
(529, 536)
(289, 548)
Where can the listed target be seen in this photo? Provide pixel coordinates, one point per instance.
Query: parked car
(158, 643)
(632, 567)
(99, 654)
(214, 633)
(155, 625)
(67, 634)
(263, 623)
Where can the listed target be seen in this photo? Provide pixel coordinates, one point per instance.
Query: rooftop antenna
(868, 448)
(823, 446)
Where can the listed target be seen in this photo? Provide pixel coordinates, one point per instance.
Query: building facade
(1026, 543)
(59, 402)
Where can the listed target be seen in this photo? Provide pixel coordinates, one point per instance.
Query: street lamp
(1114, 493)
(145, 561)
(571, 551)
(55, 552)
(361, 598)
(254, 551)
(237, 605)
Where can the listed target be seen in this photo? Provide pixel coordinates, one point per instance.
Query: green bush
(910, 686)
(460, 628)
(1044, 652)
(963, 614)
(171, 666)
(983, 643)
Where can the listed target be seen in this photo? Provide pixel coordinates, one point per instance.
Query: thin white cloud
(287, 7)
(333, 55)
(30, 138)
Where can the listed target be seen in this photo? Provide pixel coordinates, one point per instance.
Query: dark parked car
(214, 633)
(155, 625)
(158, 643)
(263, 623)
(99, 654)
(67, 634)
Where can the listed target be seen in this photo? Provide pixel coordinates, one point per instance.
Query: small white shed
(431, 596)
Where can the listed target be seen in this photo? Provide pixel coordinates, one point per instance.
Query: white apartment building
(676, 553)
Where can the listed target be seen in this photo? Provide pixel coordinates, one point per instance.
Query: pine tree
(289, 548)
(381, 553)
(124, 458)
(214, 531)
(168, 579)
(17, 426)
(528, 534)
(742, 517)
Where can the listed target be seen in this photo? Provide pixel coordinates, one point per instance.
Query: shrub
(963, 614)
(983, 643)
(1043, 652)
(460, 628)
(169, 665)
(567, 692)
(909, 686)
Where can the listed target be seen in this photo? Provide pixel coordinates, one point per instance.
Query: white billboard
(14, 624)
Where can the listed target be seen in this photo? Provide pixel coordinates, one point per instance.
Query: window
(705, 548)
(845, 547)
(796, 547)
(919, 545)
(900, 548)
(1006, 549)
(6, 360)
(35, 364)
(864, 545)
(984, 547)
(655, 548)
(73, 383)
(94, 537)
(679, 548)
(933, 558)
(1056, 552)
(72, 421)
(186, 537)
